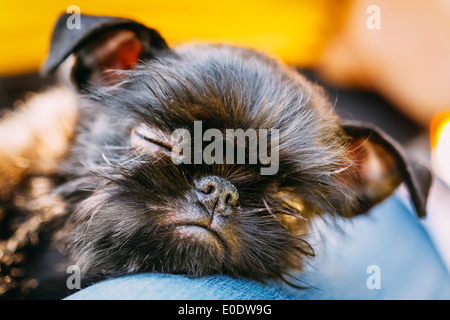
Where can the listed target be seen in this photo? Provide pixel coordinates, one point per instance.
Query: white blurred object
(440, 154)
(437, 221)
(435, 153)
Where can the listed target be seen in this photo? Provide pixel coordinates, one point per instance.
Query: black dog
(135, 210)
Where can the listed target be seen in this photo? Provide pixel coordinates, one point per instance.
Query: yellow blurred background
(405, 60)
(294, 30)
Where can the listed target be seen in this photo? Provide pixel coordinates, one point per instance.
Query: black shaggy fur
(131, 206)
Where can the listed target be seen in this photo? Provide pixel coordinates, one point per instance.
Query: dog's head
(208, 158)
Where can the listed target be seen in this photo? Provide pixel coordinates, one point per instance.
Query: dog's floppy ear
(381, 165)
(101, 44)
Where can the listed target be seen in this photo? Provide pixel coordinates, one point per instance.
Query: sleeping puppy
(206, 159)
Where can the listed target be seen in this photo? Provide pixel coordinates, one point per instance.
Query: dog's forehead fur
(229, 87)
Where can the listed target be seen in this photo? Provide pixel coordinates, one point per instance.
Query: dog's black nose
(217, 195)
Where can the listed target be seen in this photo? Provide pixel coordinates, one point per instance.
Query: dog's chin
(203, 236)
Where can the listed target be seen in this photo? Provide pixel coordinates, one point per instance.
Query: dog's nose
(217, 195)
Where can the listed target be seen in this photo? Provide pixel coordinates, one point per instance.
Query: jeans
(385, 254)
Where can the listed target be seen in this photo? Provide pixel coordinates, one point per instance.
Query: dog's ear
(100, 45)
(381, 165)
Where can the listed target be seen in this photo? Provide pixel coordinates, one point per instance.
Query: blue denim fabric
(390, 237)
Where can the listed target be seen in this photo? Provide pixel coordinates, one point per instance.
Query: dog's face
(138, 208)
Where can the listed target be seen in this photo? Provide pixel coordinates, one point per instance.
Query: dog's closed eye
(148, 141)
